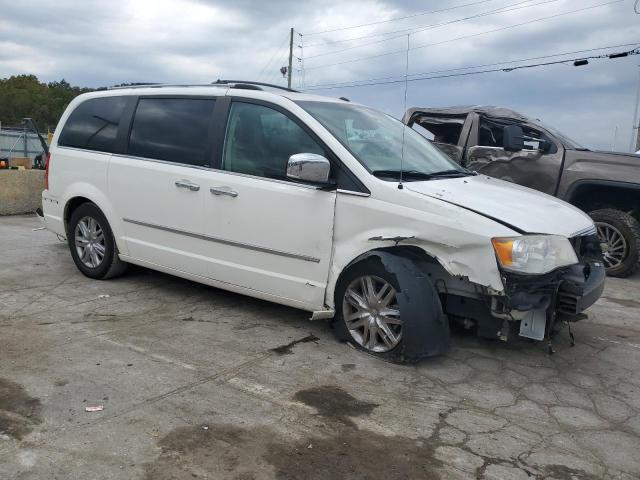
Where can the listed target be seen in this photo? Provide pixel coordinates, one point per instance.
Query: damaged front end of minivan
(484, 274)
(539, 302)
(530, 305)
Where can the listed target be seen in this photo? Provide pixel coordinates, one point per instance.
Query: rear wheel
(92, 245)
(619, 235)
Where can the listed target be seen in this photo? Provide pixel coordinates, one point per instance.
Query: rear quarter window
(93, 125)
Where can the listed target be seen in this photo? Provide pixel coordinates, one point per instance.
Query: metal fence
(18, 143)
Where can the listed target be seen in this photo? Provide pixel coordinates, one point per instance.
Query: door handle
(194, 187)
(223, 191)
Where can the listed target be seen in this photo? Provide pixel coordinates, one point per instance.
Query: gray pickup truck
(504, 144)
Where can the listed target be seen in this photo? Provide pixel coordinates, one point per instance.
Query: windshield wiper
(406, 174)
(453, 173)
(410, 175)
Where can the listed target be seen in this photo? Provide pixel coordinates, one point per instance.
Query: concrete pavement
(201, 383)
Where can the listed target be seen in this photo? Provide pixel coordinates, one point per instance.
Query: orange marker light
(504, 249)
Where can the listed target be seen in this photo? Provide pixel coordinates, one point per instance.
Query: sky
(104, 42)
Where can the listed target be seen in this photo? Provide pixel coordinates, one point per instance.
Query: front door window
(260, 140)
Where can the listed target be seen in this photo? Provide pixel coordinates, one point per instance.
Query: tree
(25, 96)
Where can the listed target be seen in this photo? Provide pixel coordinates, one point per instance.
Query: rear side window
(172, 129)
(93, 125)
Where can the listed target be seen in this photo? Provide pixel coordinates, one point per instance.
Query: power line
(429, 27)
(274, 77)
(395, 52)
(503, 9)
(275, 53)
(635, 51)
(484, 65)
(397, 18)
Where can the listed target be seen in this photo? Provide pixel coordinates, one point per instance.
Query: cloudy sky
(103, 42)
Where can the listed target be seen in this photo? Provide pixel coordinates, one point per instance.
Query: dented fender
(425, 329)
(459, 239)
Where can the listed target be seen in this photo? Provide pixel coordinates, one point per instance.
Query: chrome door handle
(194, 187)
(223, 191)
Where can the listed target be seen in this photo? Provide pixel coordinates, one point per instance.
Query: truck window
(440, 130)
(536, 140)
(423, 131)
(490, 135)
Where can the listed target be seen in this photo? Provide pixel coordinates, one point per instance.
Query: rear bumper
(53, 214)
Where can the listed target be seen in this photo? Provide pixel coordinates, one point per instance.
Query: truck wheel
(388, 308)
(619, 235)
(92, 245)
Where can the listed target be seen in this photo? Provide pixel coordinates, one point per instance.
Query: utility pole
(290, 59)
(635, 130)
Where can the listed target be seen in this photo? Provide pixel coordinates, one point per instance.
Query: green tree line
(25, 96)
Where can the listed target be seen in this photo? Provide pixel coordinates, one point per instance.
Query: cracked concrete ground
(201, 383)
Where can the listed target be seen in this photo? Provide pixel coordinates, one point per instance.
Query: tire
(403, 317)
(623, 231)
(101, 260)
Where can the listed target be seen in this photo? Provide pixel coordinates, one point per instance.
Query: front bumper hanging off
(562, 295)
(581, 287)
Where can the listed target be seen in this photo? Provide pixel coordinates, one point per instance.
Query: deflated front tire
(387, 306)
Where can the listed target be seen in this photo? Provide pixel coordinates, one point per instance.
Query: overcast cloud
(104, 42)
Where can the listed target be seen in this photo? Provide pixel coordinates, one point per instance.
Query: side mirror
(512, 138)
(309, 167)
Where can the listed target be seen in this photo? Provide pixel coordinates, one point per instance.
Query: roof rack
(250, 85)
(162, 85)
(246, 84)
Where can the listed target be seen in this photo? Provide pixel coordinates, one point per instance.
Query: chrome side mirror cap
(308, 167)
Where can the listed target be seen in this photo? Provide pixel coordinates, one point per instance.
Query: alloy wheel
(615, 248)
(89, 240)
(371, 313)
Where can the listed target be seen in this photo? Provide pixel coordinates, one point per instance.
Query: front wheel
(371, 313)
(619, 235)
(388, 307)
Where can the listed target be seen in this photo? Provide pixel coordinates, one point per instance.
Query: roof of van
(258, 91)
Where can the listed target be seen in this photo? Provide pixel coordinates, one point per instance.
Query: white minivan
(317, 203)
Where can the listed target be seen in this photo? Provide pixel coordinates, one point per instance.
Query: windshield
(566, 141)
(375, 139)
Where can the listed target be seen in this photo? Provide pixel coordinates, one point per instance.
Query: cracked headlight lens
(534, 254)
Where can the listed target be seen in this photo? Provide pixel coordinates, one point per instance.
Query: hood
(617, 166)
(517, 207)
(616, 156)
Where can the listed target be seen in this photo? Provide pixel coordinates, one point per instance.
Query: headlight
(534, 253)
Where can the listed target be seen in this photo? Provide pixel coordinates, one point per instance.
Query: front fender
(460, 240)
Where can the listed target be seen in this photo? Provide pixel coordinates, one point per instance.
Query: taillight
(46, 171)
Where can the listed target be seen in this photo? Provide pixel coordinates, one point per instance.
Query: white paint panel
(145, 192)
(285, 221)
